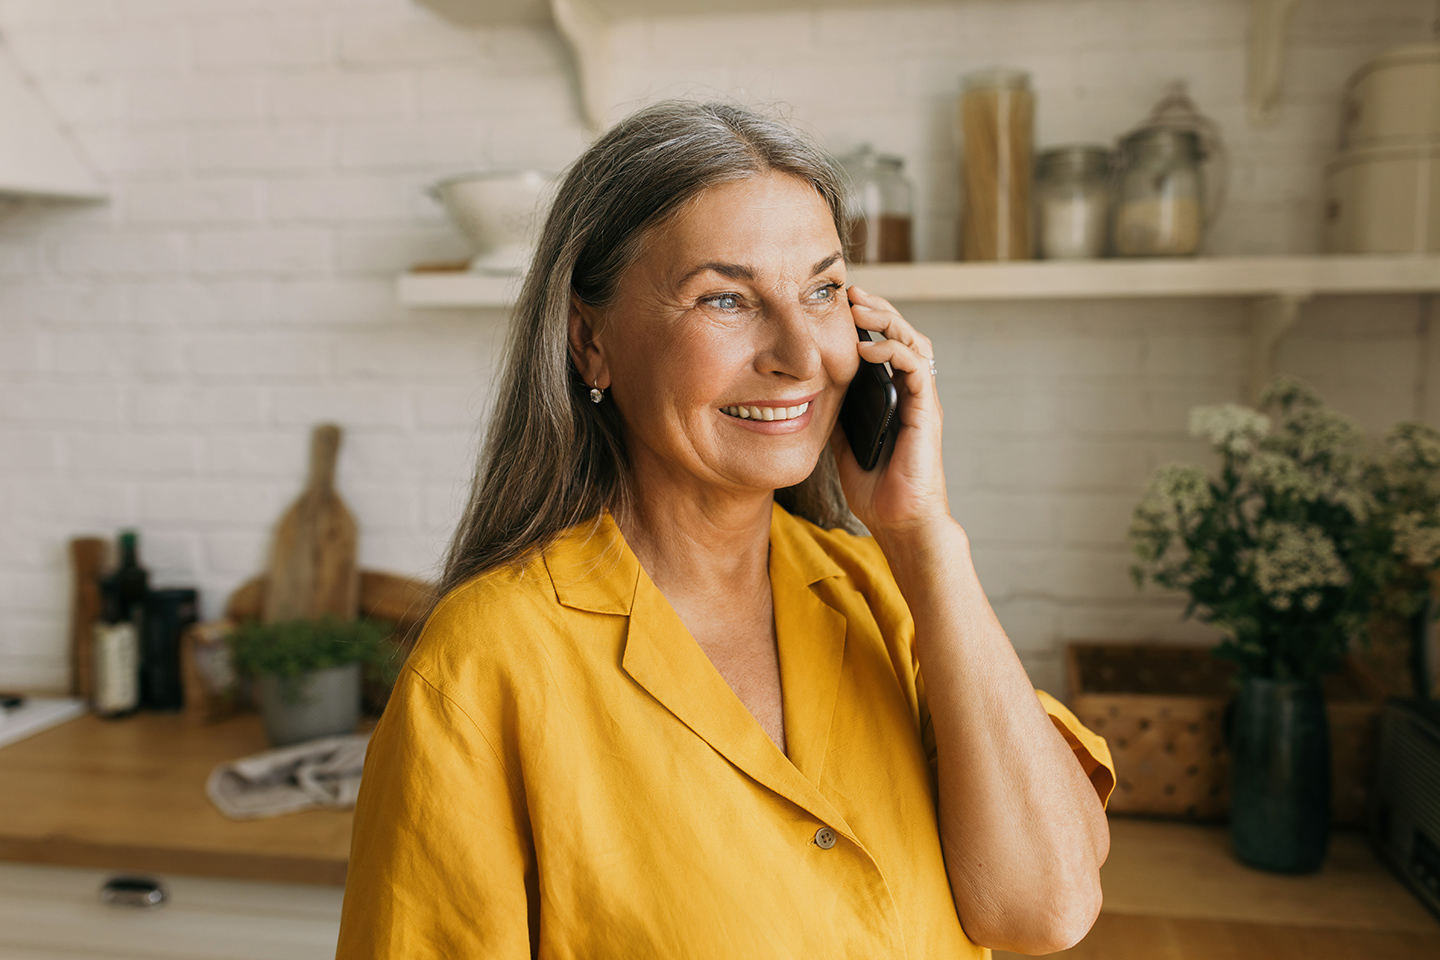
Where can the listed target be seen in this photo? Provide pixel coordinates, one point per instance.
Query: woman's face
(729, 344)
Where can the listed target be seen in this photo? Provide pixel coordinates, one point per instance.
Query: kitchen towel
(316, 773)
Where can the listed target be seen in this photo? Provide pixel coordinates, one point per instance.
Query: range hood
(36, 156)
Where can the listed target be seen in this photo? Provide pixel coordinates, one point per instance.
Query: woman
(669, 705)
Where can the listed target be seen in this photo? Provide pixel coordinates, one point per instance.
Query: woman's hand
(908, 486)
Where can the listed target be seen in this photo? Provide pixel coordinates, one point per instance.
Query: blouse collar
(593, 569)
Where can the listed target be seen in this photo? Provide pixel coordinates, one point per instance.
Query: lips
(743, 412)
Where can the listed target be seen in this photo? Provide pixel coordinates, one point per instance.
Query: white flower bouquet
(1405, 479)
(1290, 547)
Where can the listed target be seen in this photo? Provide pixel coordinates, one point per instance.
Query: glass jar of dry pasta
(997, 124)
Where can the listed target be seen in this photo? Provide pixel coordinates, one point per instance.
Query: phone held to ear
(868, 411)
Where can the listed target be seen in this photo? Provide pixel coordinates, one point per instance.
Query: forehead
(743, 221)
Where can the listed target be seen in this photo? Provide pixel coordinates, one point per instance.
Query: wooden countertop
(130, 794)
(1176, 891)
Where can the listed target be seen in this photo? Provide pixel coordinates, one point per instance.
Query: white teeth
(766, 413)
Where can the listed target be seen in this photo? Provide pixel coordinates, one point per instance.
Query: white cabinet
(55, 913)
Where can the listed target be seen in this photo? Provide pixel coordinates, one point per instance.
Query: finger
(840, 447)
(870, 299)
(904, 360)
(877, 313)
(902, 357)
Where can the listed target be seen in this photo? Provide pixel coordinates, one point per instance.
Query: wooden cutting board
(87, 559)
(312, 565)
(390, 597)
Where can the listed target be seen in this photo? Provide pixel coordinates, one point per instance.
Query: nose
(791, 347)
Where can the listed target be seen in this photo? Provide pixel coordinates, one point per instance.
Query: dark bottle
(117, 639)
(168, 613)
(131, 582)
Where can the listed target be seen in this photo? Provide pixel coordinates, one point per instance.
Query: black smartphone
(869, 410)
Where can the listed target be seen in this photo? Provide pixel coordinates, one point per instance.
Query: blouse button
(824, 838)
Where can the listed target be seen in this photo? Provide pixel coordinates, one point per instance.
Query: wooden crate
(1161, 710)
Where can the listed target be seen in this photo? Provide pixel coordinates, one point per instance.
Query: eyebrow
(735, 271)
(739, 271)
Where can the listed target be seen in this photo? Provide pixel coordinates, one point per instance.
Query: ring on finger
(933, 372)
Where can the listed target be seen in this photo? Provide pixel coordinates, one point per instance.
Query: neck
(712, 547)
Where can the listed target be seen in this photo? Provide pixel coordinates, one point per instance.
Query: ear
(585, 352)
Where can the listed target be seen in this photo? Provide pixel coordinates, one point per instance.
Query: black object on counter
(168, 613)
(1404, 812)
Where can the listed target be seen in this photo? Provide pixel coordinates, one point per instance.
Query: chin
(779, 476)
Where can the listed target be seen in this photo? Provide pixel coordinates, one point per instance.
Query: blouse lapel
(811, 636)
(662, 657)
(598, 572)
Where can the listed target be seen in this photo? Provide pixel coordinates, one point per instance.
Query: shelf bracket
(1269, 20)
(586, 31)
(1270, 319)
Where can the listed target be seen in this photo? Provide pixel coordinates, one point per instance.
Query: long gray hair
(552, 459)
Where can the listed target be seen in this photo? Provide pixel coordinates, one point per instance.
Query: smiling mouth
(766, 413)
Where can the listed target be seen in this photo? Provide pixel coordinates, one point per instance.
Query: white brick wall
(163, 355)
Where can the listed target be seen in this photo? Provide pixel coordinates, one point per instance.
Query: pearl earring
(596, 394)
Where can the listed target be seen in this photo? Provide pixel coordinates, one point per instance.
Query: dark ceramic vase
(1280, 775)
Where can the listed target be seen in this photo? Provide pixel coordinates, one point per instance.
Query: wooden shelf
(1296, 278)
(1114, 279)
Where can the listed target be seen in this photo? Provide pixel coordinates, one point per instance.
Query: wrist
(922, 542)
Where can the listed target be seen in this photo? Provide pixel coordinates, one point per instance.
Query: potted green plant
(307, 674)
(1282, 551)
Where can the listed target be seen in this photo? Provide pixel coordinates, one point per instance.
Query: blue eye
(724, 301)
(826, 292)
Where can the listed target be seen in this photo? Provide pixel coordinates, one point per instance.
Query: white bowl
(499, 213)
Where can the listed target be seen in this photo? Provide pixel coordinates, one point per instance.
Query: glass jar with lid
(1072, 202)
(997, 123)
(1172, 173)
(1160, 208)
(879, 219)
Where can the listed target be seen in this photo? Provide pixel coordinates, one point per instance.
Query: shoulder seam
(479, 728)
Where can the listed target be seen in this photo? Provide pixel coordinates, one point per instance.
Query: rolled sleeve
(1089, 748)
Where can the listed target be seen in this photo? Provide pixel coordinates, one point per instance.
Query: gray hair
(551, 458)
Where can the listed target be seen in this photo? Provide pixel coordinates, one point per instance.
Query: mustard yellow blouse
(561, 772)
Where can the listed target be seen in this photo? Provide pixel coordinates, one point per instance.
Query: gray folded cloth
(316, 773)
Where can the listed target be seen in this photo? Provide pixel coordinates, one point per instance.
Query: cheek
(839, 347)
(695, 369)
